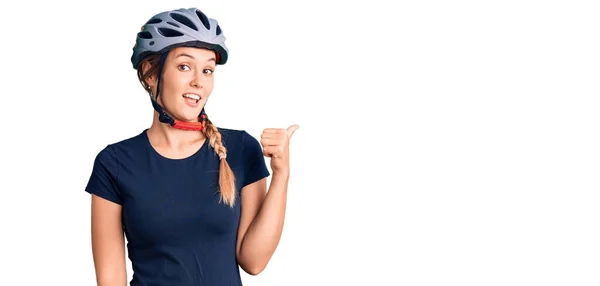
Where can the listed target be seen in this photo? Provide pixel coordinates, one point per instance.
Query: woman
(189, 196)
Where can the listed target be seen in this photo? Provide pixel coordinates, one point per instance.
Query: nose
(197, 80)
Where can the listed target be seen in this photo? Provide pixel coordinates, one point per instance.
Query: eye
(182, 67)
(208, 71)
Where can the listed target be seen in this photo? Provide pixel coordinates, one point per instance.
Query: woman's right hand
(108, 243)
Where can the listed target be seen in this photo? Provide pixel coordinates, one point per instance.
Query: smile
(192, 96)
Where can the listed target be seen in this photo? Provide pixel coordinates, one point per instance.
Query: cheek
(171, 89)
(209, 84)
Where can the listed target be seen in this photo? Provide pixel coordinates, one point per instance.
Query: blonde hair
(226, 176)
(227, 187)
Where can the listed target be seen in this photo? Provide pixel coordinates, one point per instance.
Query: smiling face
(186, 83)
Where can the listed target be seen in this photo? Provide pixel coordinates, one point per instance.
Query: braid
(226, 176)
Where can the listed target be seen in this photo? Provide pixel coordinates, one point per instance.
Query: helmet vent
(203, 19)
(154, 21)
(145, 35)
(169, 32)
(183, 20)
(218, 30)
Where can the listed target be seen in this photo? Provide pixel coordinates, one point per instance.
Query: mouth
(192, 98)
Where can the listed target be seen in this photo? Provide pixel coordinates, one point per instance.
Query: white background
(440, 142)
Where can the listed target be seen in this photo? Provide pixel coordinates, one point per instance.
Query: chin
(188, 114)
(187, 117)
(191, 119)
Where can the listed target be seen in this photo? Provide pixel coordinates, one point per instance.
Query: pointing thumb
(292, 129)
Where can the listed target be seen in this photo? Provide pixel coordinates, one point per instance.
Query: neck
(167, 136)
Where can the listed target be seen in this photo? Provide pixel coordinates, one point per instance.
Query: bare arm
(261, 222)
(108, 243)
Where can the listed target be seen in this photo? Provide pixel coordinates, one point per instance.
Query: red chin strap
(191, 126)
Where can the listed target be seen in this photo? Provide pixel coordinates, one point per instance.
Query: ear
(151, 80)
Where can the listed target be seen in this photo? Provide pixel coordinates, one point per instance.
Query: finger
(275, 130)
(290, 130)
(271, 141)
(270, 151)
(275, 137)
(270, 135)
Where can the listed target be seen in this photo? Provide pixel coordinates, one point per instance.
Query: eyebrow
(189, 56)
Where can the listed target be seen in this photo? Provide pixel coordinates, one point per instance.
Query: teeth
(192, 96)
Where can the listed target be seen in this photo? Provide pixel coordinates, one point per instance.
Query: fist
(275, 143)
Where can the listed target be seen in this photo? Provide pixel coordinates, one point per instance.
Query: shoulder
(246, 155)
(229, 134)
(132, 142)
(128, 145)
(105, 176)
(237, 137)
(244, 148)
(109, 154)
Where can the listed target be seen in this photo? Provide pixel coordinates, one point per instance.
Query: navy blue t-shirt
(178, 233)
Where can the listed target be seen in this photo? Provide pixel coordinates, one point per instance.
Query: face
(186, 83)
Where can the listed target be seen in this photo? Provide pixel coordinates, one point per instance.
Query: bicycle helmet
(178, 28)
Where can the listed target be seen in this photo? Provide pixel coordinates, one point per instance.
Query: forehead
(198, 54)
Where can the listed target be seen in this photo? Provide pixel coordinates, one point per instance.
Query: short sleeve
(254, 161)
(103, 180)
